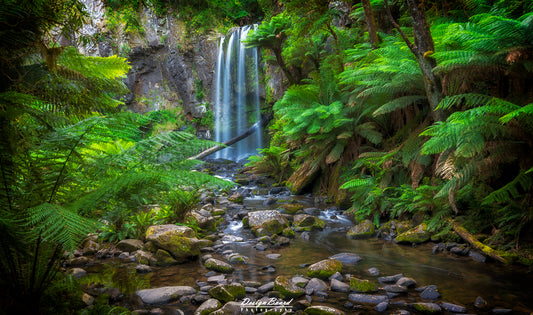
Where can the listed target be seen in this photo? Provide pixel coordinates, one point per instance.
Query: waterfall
(237, 95)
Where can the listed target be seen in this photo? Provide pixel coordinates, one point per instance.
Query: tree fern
(512, 190)
(58, 225)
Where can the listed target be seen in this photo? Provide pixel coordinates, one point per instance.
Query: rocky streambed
(269, 252)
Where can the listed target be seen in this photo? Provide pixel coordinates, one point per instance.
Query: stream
(460, 280)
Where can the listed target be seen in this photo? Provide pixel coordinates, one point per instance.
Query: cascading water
(237, 96)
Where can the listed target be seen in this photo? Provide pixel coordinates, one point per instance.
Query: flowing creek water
(459, 279)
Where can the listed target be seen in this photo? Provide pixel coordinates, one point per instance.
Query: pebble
(453, 307)
(430, 293)
(390, 279)
(373, 271)
(273, 256)
(381, 307)
(266, 287)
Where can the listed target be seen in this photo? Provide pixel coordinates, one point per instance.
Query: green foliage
(273, 161)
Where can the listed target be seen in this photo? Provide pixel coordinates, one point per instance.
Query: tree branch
(411, 46)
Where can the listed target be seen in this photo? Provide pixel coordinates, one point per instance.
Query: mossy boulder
(322, 310)
(179, 241)
(288, 232)
(362, 286)
(306, 222)
(204, 222)
(426, 308)
(362, 230)
(395, 226)
(236, 197)
(324, 269)
(164, 258)
(218, 265)
(227, 292)
(292, 208)
(145, 258)
(218, 211)
(266, 222)
(415, 235)
(287, 288)
(269, 228)
(208, 307)
(130, 245)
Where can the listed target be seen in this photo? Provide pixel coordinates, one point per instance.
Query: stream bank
(377, 276)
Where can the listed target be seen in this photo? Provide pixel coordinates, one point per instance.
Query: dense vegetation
(419, 109)
(71, 161)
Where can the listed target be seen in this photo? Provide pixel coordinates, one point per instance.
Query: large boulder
(204, 220)
(362, 230)
(164, 294)
(130, 245)
(267, 222)
(218, 265)
(415, 235)
(324, 269)
(179, 241)
(287, 288)
(208, 307)
(306, 222)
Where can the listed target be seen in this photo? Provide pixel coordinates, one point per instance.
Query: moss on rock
(287, 288)
(416, 235)
(362, 230)
(324, 269)
(362, 286)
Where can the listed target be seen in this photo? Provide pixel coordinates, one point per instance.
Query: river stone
(373, 271)
(306, 222)
(305, 236)
(270, 201)
(367, 298)
(228, 238)
(362, 286)
(430, 293)
(415, 235)
(460, 250)
(79, 261)
(406, 282)
(130, 245)
(477, 256)
(480, 302)
(227, 292)
(230, 308)
(381, 307)
(287, 288)
(452, 307)
(502, 311)
(164, 294)
(216, 279)
(237, 197)
(218, 265)
(145, 258)
(362, 230)
(143, 268)
(315, 285)
(347, 258)
(164, 258)
(426, 308)
(324, 269)
(237, 259)
(208, 307)
(273, 256)
(256, 218)
(179, 241)
(266, 287)
(339, 286)
(390, 279)
(300, 281)
(322, 310)
(77, 272)
(204, 221)
(269, 228)
(337, 276)
(395, 288)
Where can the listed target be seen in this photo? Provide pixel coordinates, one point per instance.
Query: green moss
(217, 265)
(237, 290)
(245, 221)
(286, 288)
(415, 235)
(427, 308)
(288, 232)
(292, 208)
(363, 286)
(220, 293)
(164, 258)
(362, 230)
(324, 269)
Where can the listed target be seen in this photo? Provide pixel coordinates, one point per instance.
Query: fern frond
(59, 225)
(511, 190)
(399, 103)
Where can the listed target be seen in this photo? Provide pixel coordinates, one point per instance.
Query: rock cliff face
(169, 69)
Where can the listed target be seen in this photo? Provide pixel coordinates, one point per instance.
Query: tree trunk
(283, 66)
(472, 240)
(264, 121)
(423, 48)
(370, 22)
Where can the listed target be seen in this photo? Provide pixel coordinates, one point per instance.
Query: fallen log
(472, 240)
(264, 121)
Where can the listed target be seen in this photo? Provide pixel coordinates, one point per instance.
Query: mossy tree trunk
(370, 23)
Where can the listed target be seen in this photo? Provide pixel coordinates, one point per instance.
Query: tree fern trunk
(370, 22)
